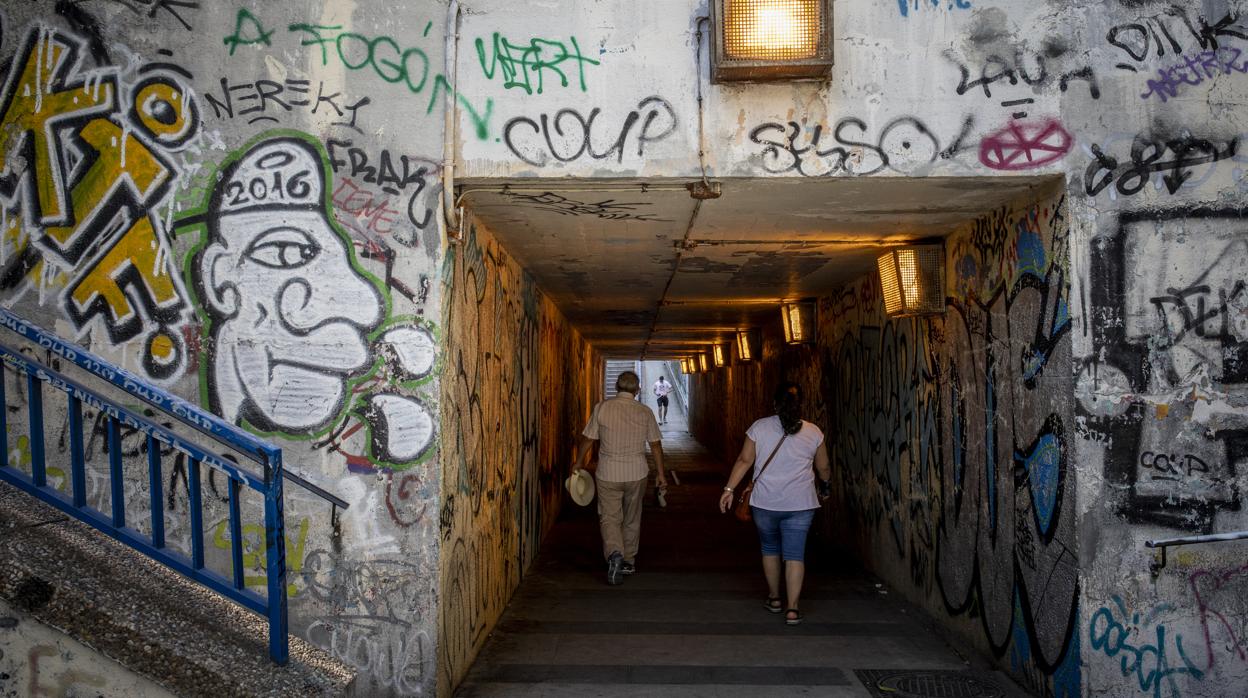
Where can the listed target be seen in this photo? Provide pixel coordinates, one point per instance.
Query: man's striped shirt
(622, 427)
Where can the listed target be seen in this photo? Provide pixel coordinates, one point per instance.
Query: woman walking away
(782, 448)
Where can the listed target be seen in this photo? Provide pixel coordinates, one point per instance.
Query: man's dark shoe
(615, 569)
(628, 568)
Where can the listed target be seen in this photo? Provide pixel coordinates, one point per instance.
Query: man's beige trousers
(619, 516)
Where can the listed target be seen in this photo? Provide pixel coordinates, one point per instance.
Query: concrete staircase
(146, 617)
(613, 371)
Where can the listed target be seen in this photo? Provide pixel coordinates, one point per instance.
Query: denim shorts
(783, 532)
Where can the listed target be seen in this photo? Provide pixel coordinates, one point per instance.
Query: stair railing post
(4, 418)
(34, 399)
(275, 563)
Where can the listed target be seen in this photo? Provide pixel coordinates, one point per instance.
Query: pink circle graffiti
(1023, 146)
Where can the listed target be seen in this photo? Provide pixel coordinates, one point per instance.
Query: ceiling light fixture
(799, 322)
(744, 351)
(912, 280)
(770, 39)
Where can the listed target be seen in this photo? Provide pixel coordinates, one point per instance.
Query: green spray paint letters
(525, 67)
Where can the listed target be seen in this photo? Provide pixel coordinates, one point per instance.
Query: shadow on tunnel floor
(689, 535)
(691, 622)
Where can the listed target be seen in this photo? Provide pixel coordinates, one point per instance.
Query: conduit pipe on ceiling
(554, 188)
(450, 214)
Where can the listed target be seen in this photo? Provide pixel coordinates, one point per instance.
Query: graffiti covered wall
(1139, 109)
(950, 438)
(209, 194)
(518, 387)
(238, 200)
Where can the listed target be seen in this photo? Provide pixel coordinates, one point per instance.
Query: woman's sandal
(796, 619)
(773, 604)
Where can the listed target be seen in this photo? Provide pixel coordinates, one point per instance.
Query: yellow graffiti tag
(254, 553)
(35, 106)
(19, 455)
(15, 240)
(135, 258)
(122, 160)
(155, 93)
(92, 215)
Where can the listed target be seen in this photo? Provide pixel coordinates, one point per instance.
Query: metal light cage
(912, 280)
(717, 352)
(758, 40)
(799, 322)
(745, 349)
(703, 366)
(684, 366)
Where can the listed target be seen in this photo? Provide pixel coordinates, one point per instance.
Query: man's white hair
(628, 382)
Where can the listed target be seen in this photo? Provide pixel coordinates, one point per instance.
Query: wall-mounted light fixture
(684, 366)
(770, 39)
(799, 322)
(703, 366)
(913, 280)
(717, 352)
(745, 350)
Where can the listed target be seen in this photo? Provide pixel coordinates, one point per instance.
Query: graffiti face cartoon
(290, 309)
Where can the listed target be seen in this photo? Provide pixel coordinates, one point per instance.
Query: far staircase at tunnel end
(612, 373)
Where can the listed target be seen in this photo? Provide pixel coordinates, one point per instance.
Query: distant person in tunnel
(784, 500)
(622, 426)
(661, 389)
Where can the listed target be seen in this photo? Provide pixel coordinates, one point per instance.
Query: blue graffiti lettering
(1150, 662)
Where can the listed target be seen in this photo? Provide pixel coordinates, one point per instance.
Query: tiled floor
(691, 621)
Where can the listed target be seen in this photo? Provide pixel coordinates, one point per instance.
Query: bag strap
(774, 451)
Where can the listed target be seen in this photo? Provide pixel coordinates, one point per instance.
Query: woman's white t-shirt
(789, 481)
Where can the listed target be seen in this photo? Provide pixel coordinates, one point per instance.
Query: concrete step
(612, 372)
(691, 621)
(150, 619)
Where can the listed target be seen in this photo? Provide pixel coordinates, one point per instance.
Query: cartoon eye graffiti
(282, 248)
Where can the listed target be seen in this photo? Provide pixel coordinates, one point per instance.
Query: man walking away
(661, 389)
(622, 426)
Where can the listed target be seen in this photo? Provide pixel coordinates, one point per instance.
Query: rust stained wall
(950, 438)
(517, 379)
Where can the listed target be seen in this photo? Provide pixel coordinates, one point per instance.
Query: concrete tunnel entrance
(643, 273)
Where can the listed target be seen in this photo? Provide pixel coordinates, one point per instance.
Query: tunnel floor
(691, 621)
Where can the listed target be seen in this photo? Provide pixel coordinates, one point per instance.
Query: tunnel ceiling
(637, 272)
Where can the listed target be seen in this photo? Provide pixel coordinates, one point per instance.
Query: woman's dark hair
(788, 401)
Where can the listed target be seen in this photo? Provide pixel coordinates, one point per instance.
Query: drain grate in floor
(898, 683)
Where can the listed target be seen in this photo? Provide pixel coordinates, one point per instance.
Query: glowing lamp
(799, 322)
(702, 363)
(770, 39)
(718, 353)
(744, 351)
(912, 281)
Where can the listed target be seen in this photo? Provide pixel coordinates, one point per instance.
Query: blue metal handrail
(269, 457)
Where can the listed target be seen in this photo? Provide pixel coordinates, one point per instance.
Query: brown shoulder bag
(742, 509)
